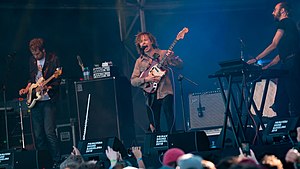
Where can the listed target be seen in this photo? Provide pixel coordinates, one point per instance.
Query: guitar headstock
(182, 33)
(58, 72)
(80, 63)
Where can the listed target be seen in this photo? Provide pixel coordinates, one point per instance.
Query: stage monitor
(281, 126)
(94, 149)
(156, 142)
(160, 141)
(6, 158)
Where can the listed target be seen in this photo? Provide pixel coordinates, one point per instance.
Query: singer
(149, 52)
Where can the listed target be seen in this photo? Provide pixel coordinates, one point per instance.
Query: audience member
(170, 158)
(73, 161)
(227, 162)
(271, 162)
(189, 161)
(208, 164)
(293, 155)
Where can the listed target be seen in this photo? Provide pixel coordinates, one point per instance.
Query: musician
(43, 65)
(286, 40)
(149, 52)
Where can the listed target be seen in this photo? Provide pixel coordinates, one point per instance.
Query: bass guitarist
(162, 95)
(43, 65)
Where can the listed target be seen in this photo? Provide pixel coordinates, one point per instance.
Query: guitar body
(33, 95)
(153, 70)
(35, 90)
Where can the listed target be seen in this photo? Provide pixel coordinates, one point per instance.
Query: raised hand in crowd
(139, 156)
(75, 151)
(251, 156)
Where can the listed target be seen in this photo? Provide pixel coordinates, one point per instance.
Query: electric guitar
(156, 69)
(35, 90)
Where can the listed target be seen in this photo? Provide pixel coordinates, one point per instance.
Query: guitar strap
(149, 98)
(47, 67)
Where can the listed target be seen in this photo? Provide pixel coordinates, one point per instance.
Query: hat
(172, 155)
(190, 161)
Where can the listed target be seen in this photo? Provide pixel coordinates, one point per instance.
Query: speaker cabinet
(66, 109)
(189, 141)
(206, 110)
(12, 159)
(108, 103)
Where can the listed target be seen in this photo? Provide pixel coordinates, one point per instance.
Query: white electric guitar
(156, 67)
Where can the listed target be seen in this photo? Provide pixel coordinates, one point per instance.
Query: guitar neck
(165, 56)
(48, 80)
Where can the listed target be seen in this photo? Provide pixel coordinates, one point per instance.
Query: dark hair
(286, 6)
(122, 164)
(138, 40)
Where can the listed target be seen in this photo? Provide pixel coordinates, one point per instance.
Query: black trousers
(287, 99)
(154, 108)
(43, 123)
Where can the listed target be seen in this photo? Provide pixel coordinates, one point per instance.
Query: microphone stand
(9, 60)
(180, 78)
(21, 123)
(242, 45)
(5, 115)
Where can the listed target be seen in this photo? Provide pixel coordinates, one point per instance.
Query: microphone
(142, 48)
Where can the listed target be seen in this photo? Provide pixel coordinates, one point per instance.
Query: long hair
(138, 40)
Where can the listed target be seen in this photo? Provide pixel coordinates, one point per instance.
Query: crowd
(175, 158)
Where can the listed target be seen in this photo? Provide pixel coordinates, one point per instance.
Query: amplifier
(109, 106)
(104, 71)
(14, 159)
(206, 110)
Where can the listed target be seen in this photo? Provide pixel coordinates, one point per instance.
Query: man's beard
(276, 17)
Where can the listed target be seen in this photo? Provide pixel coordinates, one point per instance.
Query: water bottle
(213, 145)
(86, 73)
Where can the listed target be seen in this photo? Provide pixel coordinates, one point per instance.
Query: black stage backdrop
(93, 33)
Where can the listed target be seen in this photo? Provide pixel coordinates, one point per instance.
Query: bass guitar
(155, 69)
(35, 90)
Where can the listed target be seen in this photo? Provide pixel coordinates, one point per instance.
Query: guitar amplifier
(206, 110)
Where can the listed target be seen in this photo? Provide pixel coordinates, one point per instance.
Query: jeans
(43, 122)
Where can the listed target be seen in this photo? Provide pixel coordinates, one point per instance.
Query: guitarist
(149, 52)
(43, 113)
